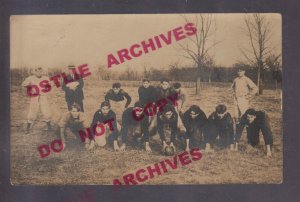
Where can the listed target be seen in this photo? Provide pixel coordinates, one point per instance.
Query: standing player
(103, 115)
(181, 97)
(194, 119)
(38, 100)
(255, 121)
(76, 121)
(73, 89)
(135, 123)
(146, 93)
(164, 90)
(167, 124)
(243, 90)
(220, 123)
(116, 97)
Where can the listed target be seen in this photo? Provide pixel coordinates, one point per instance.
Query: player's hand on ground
(236, 148)
(87, 145)
(208, 148)
(269, 153)
(116, 146)
(232, 147)
(164, 146)
(64, 144)
(123, 147)
(148, 148)
(92, 145)
(172, 145)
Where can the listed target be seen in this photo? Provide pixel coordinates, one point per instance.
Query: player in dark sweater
(220, 123)
(117, 94)
(135, 123)
(255, 121)
(146, 93)
(102, 116)
(167, 121)
(164, 90)
(194, 119)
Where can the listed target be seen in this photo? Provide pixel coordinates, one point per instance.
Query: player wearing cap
(37, 100)
(73, 89)
(243, 90)
(135, 124)
(220, 123)
(255, 121)
(194, 119)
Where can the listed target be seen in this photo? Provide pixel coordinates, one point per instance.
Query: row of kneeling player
(196, 130)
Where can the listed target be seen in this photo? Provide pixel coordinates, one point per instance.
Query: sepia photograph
(146, 99)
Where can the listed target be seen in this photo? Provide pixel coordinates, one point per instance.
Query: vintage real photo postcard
(160, 99)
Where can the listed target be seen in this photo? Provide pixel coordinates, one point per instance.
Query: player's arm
(128, 99)
(267, 133)
(81, 83)
(239, 130)
(124, 130)
(252, 87)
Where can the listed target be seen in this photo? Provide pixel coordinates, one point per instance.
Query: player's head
(105, 107)
(177, 86)
(75, 110)
(194, 111)
(38, 72)
(251, 115)
(116, 87)
(70, 67)
(146, 83)
(138, 107)
(221, 111)
(168, 111)
(241, 71)
(165, 83)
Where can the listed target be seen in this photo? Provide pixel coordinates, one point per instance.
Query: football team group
(160, 109)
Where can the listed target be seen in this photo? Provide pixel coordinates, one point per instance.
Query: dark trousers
(211, 132)
(162, 131)
(194, 134)
(79, 102)
(133, 131)
(253, 136)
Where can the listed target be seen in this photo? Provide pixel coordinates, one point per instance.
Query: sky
(53, 41)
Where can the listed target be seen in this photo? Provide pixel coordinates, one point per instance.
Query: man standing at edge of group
(243, 90)
(73, 89)
(38, 101)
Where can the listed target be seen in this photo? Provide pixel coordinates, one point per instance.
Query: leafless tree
(198, 47)
(258, 32)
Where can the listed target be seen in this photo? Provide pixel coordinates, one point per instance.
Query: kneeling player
(220, 123)
(256, 121)
(135, 123)
(76, 121)
(194, 120)
(102, 116)
(167, 124)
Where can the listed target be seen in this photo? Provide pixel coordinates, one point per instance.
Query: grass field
(75, 165)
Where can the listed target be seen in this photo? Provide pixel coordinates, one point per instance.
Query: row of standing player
(219, 123)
